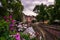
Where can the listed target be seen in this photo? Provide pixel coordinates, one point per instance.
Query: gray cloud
(30, 4)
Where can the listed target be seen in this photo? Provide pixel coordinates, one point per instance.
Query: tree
(13, 7)
(50, 12)
(57, 9)
(42, 14)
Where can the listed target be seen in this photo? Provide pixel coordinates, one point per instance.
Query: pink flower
(5, 17)
(11, 26)
(10, 16)
(7, 20)
(13, 21)
(17, 36)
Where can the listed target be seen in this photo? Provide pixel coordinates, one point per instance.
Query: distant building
(29, 16)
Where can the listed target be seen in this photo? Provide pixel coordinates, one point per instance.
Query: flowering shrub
(5, 25)
(4, 29)
(10, 20)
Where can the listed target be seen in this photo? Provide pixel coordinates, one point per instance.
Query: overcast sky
(0, 3)
(30, 4)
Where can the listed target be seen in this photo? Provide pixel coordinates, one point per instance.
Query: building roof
(29, 13)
